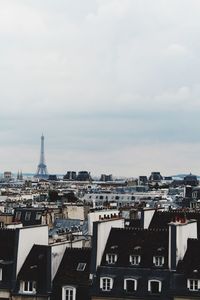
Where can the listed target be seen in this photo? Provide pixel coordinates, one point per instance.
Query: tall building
(105, 177)
(42, 167)
(83, 176)
(70, 175)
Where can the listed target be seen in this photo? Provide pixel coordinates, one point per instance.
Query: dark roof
(69, 225)
(190, 177)
(190, 265)
(28, 208)
(162, 219)
(68, 274)
(130, 241)
(135, 223)
(37, 268)
(32, 211)
(8, 251)
(8, 238)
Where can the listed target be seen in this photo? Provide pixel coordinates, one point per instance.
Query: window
(27, 216)
(68, 293)
(135, 259)
(194, 195)
(154, 286)
(111, 258)
(81, 267)
(1, 274)
(158, 261)
(38, 216)
(18, 215)
(130, 285)
(193, 284)
(28, 286)
(106, 283)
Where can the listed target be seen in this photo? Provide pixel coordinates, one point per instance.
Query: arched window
(130, 285)
(68, 292)
(154, 286)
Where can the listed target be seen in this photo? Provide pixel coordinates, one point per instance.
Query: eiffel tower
(42, 167)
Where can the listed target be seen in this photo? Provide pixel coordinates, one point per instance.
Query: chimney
(101, 231)
(180, 231)
(147, 216)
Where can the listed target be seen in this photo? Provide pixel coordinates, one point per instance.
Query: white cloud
(98, 71)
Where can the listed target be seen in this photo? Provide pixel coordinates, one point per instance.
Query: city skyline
(114, 86)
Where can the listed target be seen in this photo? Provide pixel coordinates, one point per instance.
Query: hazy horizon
(113, 85)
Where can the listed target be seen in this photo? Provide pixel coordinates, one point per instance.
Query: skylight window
(81, 267)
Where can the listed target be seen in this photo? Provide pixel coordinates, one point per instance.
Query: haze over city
(113, 85)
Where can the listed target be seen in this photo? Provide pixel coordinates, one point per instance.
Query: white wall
(76, 244)
(57, 252)
(13, 226)
(75, 212)
(28, 236)
(94, 216)
(148, 215)
(2, 208)
(184, 231)
(103, 231)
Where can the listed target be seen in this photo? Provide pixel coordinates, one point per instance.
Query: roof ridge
(7, 229)
(142, 229)
(79, 249)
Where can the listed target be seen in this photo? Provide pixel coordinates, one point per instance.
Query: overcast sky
(114, 85)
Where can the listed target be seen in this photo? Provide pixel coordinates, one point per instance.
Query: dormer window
(38, 216)
(18, 215)
(158, 261)
(193, 284)
(28, 287)
(111, 258)
(27, 216)
(135, 259)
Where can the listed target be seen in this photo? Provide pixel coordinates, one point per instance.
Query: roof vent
(137, 247)
(160, 249)
(114, 247)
